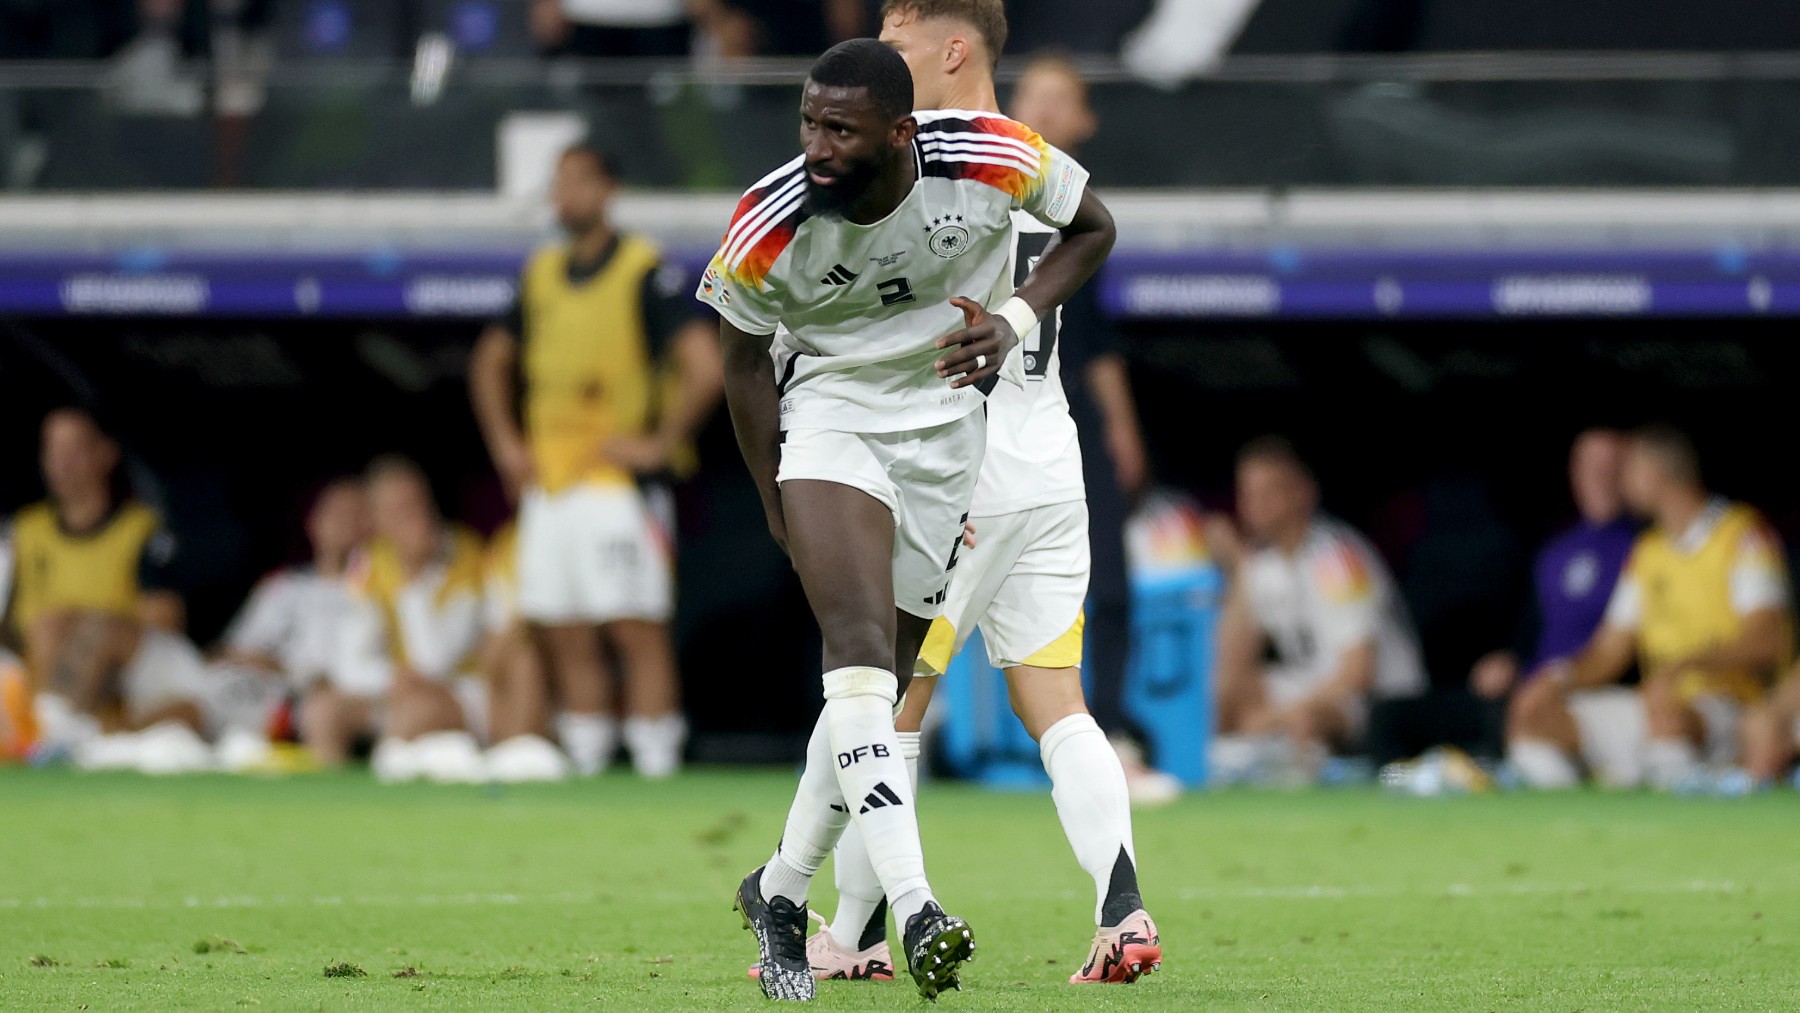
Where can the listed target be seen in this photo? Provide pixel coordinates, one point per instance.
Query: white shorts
(925, 477)
(595, 553)
(167, 669)
(1613, 730)
(1023, 585)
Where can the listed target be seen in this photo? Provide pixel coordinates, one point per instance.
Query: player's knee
(1041, 697)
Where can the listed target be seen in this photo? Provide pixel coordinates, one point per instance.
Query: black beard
(833, 201)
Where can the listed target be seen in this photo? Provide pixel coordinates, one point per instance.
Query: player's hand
(777, 519)
(1223, 541)
(1493, 675)
(969, 535)
(983, 334)
(1125, 445)
(638, 454)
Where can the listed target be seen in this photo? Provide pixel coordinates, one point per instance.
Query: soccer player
(1051, 95)
(285, 638)
(596, 320)
(406, 648)
(1315, 595)
(1572, 580)
(1702, 604)
(866, 445)
(1023, 584)
(93, 601)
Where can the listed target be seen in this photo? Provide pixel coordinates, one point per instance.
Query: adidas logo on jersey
(840, 275)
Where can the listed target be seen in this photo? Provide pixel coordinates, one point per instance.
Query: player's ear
(905, 130)
(956, 53)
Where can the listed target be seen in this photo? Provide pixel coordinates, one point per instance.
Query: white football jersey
(1033, 451)
(864, 305)
(1329, 596)
(295, 616)
(439, 627)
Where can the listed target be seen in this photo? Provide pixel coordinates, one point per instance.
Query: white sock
(60, 724)
(1542, 764)
(859, 889)
(1668, 762)
(655, 744)
(1087, 783)
(589, 739)
(815, 822)
(874, 783)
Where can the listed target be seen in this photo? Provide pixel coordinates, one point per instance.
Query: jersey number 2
(894, 291)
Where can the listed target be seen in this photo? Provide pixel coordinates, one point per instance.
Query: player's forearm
(702, 382)
(1761, 644)
(752, 399)
(1240, 642)
(1111, 387)
(1068, 265)
(491, 387)
(1600, 663)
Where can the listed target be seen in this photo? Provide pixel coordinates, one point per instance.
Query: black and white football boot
(937, 945)
(780, 927)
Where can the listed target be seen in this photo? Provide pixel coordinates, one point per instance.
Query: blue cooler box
(1168, 692)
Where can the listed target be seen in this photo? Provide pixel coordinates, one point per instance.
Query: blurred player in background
(93, 606)
(1052, 96)
(285, 639)
(867, 444)
(1572, 580)
(1024, 581)
(1703, 605)
(405, 668)
(1313, 594)
(596, 319)
(289, 625)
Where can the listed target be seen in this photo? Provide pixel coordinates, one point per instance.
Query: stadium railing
(1471, 119)
(1314, 186)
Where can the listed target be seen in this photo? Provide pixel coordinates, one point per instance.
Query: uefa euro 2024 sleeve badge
(948, 237)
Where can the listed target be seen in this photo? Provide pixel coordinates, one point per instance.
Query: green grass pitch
(330, 892)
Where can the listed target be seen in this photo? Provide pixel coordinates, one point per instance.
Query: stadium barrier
(1168, 690)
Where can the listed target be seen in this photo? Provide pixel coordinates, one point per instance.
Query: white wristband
(1019, 314)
